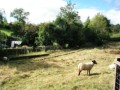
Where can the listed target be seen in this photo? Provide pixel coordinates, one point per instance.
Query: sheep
(112, 66)
(86, 66)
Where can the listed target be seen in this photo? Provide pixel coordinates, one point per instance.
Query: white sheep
(86, 66)
(112, 66)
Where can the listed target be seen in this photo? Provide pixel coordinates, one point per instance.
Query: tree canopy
(3, 20)
(66, 30)
(19, 14)
(100, 26)
(68, 26)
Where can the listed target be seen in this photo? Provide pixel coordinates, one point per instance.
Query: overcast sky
(46, 10)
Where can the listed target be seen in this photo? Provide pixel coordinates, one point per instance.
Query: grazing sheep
(86, 66)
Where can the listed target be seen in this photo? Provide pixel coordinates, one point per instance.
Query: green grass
(60, 73)
(6, 31)
(115, 35)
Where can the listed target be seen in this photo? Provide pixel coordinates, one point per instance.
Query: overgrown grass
(60, 73)
(7, 31)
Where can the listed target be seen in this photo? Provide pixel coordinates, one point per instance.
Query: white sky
(46, 10)
(40, 10)
(113, 15)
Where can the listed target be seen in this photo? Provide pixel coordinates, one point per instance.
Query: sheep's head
(94, 62)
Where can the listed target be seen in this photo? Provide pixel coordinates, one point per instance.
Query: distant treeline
(66, 30)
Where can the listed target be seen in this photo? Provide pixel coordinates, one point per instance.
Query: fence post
(117, 74)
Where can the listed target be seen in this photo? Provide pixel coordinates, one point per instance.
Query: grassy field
(58, 71)
(115, 35)
(6, 31)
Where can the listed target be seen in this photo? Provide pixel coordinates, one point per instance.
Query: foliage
(3, 37)
(66, 30)
(69, 13)
(40, 37)
(68, 26)
(29, 38)
(3, 20)
(19, 14)
(18, 28)
(115, 28)
(87, 22)
(100, 26)
(46, 34)
(30, 35)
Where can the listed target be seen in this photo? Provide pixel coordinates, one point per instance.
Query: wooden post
(117, 74)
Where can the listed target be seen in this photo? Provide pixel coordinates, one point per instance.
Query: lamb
(86, 66)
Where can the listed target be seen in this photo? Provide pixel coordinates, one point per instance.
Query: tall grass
(60, 73)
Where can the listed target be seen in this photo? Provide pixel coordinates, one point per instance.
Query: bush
(15, 51)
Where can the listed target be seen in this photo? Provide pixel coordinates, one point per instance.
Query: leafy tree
(3, 20)
(101, 28)
(69, 26)
(19, 14)
(40, 38)
(30, 35)
(100, 23)
(18, 28)
(115, 28)
(3, 37)
(69, 13)
(29, 38)
(46, 34)
(89, 34)
(87, 22)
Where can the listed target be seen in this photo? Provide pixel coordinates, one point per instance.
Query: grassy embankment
(60, 73)
(7, 31)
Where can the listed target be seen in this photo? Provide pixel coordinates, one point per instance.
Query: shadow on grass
(92, 74)
(29, 65)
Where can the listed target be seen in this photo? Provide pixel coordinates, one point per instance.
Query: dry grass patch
(59, 73)
(115, 51)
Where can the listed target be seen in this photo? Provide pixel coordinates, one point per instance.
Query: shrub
(15, 51)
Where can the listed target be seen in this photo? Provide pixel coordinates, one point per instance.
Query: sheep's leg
(79, 71)
(89, 72)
